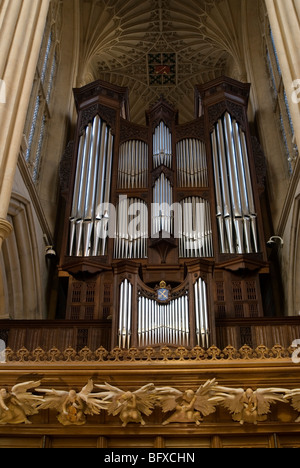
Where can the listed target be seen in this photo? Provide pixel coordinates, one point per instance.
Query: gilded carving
(129, 406)
(189, 406)
(72, 407)
(294, 395)
(132, 407)
(248, 406)
(18, 404)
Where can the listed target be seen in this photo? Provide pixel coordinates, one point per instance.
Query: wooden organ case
(163, 232)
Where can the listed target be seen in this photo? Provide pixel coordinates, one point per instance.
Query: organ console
(165, 203)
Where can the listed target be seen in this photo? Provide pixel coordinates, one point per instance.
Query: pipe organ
(163, 219)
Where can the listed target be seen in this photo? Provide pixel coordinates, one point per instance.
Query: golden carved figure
(73, 407)
(248, 406)
(189, 406)
(16, 405)
(129, 406)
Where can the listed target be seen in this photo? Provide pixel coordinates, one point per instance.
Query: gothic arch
(19, 262)
(294, 292)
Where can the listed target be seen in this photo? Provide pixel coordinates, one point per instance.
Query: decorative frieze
(134, 406)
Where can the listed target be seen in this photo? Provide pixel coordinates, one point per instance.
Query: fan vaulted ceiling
(157, 47)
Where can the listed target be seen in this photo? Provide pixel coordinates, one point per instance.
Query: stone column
(284, 16)
(22, 24)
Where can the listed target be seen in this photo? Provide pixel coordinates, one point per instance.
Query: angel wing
(230, 398)
(110, 392)
(168, 398)
(111, 396)
(145, 399)
(93, 401)
(203, 402)
(53, 399)
(26, 399)
(268, 396)
(295, 396)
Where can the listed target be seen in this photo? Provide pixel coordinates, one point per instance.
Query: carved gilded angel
(248, 406)
(73, 407)
(129, 406)
(18, 404)
(190, 406)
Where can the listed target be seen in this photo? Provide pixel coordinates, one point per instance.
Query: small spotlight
(50, 252)
(274, 241)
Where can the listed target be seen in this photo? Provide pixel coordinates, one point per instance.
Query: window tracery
(39, 111)
(281, 105)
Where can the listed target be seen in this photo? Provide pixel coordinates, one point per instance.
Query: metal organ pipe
(125, 314)
(237, 218)
(74, 211)
(91, 189)
(253, 215)
(201, 313)
(163, 323)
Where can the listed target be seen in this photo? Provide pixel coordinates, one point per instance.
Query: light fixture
(49, 248)
(274, 240)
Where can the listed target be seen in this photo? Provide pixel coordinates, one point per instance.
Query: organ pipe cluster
(91, 194)
(195, 236)
(132, 229)
(191, 164)
(236, 214)
(133, 165)
(162, 146)
(163, 323)
(162, 219)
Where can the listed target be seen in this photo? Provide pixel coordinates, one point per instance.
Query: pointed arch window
(39, 111)
(281, 105)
